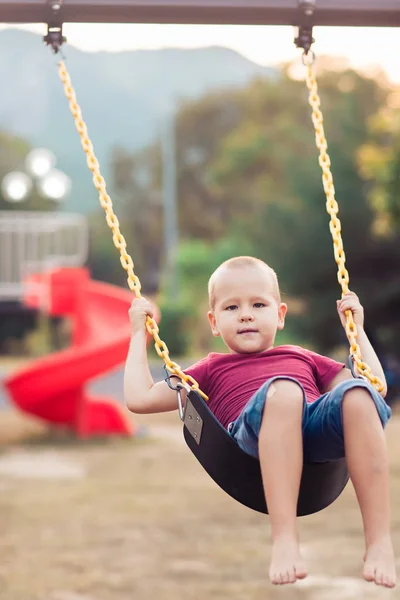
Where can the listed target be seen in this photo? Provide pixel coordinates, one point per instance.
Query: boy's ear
(213, 323)
(282, 310)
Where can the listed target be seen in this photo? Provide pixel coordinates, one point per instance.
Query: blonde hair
(238, 262)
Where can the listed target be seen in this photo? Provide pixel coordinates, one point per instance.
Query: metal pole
(362, 13)
(171, 236)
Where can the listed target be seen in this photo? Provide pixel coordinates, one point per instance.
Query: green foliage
(249, 183)
(104, 260)
(197, 259)
(184, 325)
(379, 163)
(275, 187)
(175, 325)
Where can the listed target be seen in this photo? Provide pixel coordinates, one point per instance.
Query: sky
(367, 49)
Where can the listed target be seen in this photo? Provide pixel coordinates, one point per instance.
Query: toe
(369, 573)
(389, 581)
(274, 578)
(378, 577)
(292, 576)
(301, 572)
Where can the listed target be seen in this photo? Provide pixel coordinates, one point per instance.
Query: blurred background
(204, 136)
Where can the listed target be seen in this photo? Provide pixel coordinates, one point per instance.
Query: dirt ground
(139, 519)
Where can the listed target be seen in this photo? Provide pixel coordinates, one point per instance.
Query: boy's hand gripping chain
(118, 238)
(334, 225)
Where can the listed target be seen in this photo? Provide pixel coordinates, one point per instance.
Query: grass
(146, 522)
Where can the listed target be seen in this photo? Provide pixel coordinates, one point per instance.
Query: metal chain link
(118, 238)
(335, 225)
(126, 260)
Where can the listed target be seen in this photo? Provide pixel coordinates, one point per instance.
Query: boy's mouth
(248, 330)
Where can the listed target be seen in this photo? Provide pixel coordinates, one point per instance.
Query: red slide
(53, 387)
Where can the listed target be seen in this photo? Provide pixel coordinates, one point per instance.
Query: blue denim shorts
(322, 424)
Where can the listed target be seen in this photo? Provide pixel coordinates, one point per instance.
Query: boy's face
(246, 312)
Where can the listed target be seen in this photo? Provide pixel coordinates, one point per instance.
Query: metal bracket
(181, 385)
(305, 38)
(193, 422)
(352, 367)
(55, 37)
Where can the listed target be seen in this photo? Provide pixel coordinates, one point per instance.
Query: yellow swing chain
(334, 224)
(126, 260)
(112, 222)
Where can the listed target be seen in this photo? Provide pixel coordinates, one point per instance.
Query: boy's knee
(358, 401)
(284, 392)
(357, 396)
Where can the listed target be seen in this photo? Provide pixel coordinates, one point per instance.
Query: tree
(379, 164)
(138, 206)
(268, 166)
(248, 172)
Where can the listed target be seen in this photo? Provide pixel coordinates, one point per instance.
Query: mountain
(123, 97)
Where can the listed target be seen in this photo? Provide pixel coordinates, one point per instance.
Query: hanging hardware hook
(55, 37)
(304, 39)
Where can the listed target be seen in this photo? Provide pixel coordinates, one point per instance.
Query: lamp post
(16, 186)
(41, 173)
(169, 185)
(50, 183)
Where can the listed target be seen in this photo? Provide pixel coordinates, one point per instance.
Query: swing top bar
(364, 13)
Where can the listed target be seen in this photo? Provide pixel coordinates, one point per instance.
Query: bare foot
(287, 564)
(379, 563)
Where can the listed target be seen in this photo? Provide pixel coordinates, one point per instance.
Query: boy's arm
(141, 394)
(351, 302)
(369, 356)
(339, 377)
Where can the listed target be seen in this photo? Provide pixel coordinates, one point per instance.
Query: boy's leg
(281, 457)
(367, 460)
(349, 421)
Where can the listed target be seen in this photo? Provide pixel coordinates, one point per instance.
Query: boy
(284, 404)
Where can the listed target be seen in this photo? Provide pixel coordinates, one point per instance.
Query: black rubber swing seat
(238, 473)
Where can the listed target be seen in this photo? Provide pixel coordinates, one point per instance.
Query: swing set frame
(354, 13)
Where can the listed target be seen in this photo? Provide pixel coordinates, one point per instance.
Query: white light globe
(16, 186)
(56, 185)
(39, 162)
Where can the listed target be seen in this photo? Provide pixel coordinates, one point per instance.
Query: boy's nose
(245, 318)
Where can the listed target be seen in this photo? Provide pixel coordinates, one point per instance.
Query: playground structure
(382, 13)
(34, 242)
(41, 267)
(53, 387)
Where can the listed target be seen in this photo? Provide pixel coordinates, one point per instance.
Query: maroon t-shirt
(229, 380)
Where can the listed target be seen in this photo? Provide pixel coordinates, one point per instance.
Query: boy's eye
(259, 305)
(231, 307)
